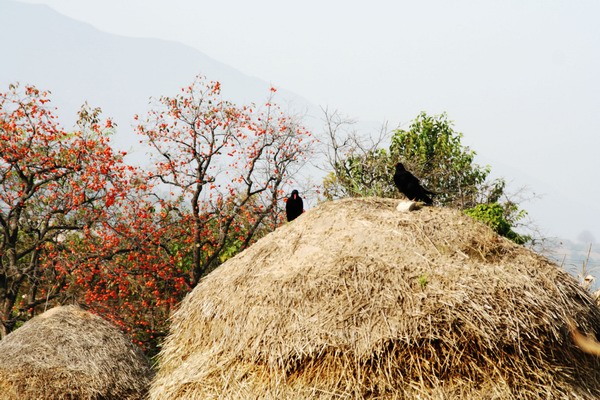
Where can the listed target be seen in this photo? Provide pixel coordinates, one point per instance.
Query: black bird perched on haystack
(410, 186)
(294, 206)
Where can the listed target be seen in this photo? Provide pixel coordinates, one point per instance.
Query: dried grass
(355, 300)
(69, 353)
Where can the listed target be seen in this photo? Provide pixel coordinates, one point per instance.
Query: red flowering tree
(131, 272)
(78, 224)
(53, 184)
(223, 169)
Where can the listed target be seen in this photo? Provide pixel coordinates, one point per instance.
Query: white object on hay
(405, 206)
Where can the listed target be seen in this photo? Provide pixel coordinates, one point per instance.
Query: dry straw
(69, 353)
(355, 300)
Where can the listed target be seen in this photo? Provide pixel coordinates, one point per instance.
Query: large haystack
(357, 300)
(69, 353)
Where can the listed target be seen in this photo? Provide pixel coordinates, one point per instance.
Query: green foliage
(433, 151)
(423, 280)
(232, 248)
(501, 218)
(361, 175)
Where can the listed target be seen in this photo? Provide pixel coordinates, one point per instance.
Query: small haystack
(69, 353)
(356, 300)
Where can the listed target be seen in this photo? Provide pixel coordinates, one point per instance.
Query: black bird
(410, 186)
(294, 206)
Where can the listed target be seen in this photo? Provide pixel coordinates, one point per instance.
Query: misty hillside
(79, 63)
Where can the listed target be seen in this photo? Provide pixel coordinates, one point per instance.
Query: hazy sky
(519, 78)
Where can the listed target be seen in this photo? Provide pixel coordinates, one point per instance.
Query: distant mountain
(79, 63)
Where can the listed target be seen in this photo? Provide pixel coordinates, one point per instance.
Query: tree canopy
(433, 151)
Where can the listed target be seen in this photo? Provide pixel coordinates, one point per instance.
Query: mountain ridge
(119, 74)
